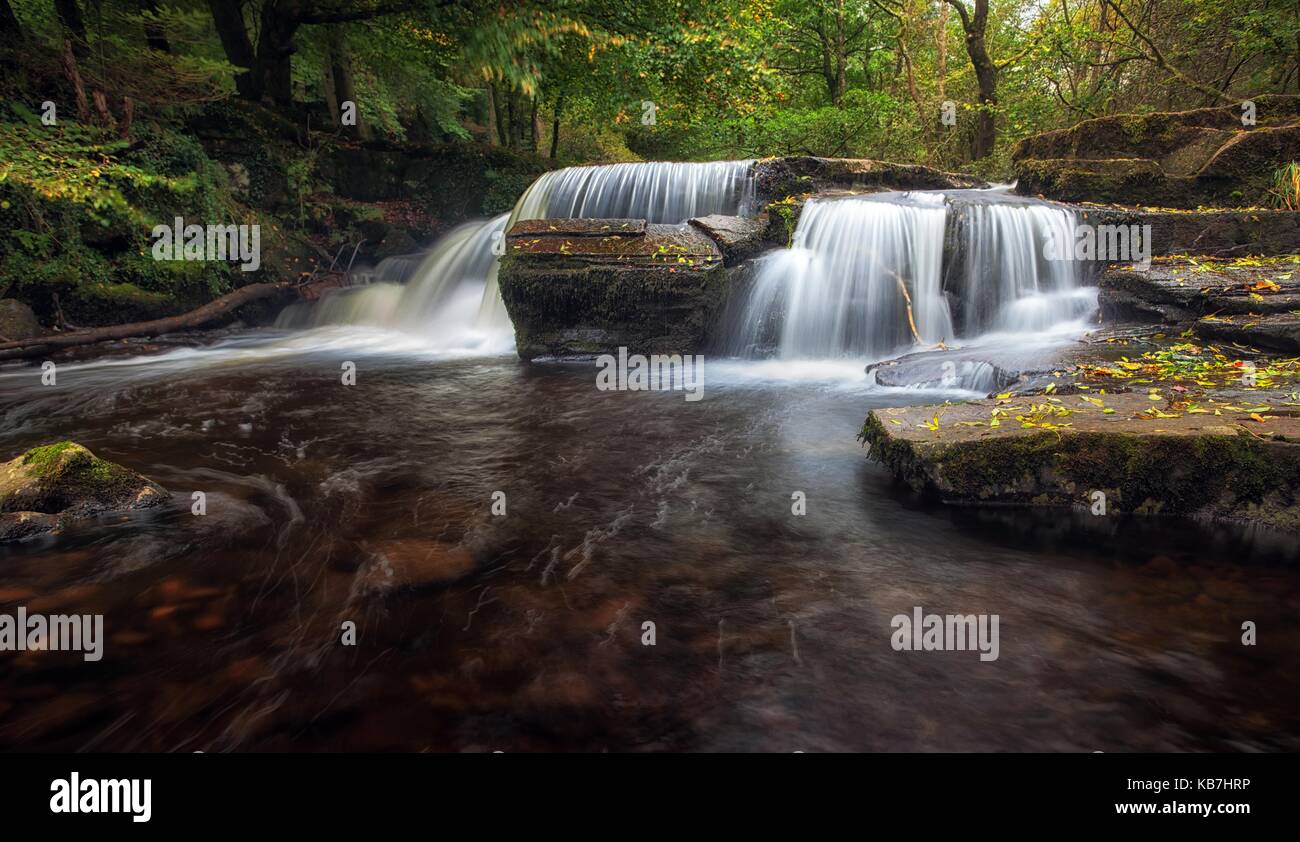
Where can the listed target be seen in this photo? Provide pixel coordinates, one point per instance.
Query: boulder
(583, 287)
(17, 321)
(48, 487)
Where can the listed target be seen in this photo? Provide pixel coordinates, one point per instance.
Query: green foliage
(77, 206)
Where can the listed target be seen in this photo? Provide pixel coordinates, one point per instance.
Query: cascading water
(1004, 277)
(453, 294)
(441, 296)
(866, 275)
(656, 192)
(839, 289)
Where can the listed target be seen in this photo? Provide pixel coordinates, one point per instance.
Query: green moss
(70, 463)
(44, 460)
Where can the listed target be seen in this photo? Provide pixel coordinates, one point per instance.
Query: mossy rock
(1197, 465)
(51, 485)
(17, 321)
(1182, 159)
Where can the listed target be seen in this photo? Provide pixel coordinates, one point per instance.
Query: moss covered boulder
(1111, 454)
(50, 486)
(1183, 159)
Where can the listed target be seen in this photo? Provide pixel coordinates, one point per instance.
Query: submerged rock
(49, 486)
(1226, 466)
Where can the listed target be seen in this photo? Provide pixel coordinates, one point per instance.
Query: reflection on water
(523, 632)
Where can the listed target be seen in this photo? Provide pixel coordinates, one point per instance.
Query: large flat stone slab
(1183, 159)
(1234, 459)
(580, 288)
(1252, 302)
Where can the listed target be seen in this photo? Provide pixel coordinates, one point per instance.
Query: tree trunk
(228, 18)
(535, 127)
(275, 49)
(344, 89)
(198, 317)
(986, 75)
(555, 127)
(499, 115)
(942, 48)
(74, 78)
(841, 60)
(154, 34)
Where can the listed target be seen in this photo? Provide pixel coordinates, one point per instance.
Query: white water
(842, 289)
(452, 299)
(443, 300)
(656, 192)
(1008, 282)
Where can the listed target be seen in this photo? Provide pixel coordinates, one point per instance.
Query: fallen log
(197, 317)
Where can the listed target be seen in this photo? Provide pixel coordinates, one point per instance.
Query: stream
(525, 629)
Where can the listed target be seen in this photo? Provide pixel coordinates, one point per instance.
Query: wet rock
(1219, 466)
(1172, 159)
(15, 526)
(49, 486)
(583, 287)
(738, 237)
(1279, 332)
(1251, 303)
(17, 321)
(415, 563)
(943, 370)
(1211, 233)
(780, 178)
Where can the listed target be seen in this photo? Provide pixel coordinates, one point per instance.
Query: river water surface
(524, 631)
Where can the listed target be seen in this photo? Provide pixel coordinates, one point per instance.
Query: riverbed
(533, 564)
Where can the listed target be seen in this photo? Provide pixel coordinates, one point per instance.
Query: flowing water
(451, 297)
(508, 539)
(866, 275)
(373, 504)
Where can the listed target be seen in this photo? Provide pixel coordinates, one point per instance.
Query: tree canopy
(946, 82)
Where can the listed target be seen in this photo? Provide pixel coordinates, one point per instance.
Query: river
(526, 630)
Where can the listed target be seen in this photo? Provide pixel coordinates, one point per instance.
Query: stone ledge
(1224, 466)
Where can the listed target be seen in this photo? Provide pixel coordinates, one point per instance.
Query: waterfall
(434, 297)
(843, 287)
(439, 295)
(1006, 280)
(839, 290)
(656, 192)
